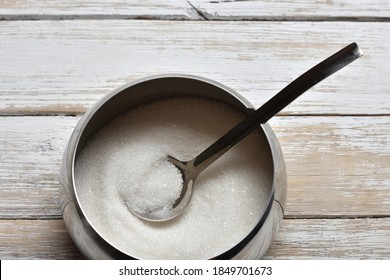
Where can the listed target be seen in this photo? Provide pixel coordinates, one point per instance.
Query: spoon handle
(308, 79)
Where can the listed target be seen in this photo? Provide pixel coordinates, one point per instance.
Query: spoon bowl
(189, 175)
(191, 169)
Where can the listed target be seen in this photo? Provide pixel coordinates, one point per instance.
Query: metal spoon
(191, 169)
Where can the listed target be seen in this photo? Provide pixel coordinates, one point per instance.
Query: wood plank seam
(54, 17)
(202, 16)
(201, 13)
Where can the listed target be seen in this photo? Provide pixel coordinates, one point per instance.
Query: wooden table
(59, 57)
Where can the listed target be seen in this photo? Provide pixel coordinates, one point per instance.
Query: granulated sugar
(153, 184)
(125, 164)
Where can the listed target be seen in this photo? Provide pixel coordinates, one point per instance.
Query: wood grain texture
(31, 151)
(297, 239)
(36, 239)
(294, 10)
(47, 71)
(197, 9)
(337, 166)
(97, 9)
(332, 239)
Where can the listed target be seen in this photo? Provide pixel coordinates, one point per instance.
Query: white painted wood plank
(36, 239)
(296, 239)
(211, 9)
(337, 166)
(44, 70)
(287, 9)
(31, 151)
(73, 9)
(332, 239)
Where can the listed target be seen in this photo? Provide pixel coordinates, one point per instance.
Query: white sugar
(125, 164)
(154, 184)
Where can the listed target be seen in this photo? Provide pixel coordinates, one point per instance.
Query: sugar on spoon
(191, 169)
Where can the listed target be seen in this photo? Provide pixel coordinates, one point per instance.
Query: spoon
(191, 169)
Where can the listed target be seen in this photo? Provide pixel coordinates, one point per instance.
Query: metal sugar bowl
(83, 227)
